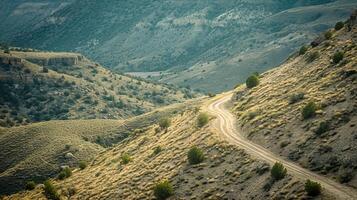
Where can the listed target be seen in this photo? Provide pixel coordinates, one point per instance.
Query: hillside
(320, 81)
(38, 150)
(41, 86)
(189, 42)
(226, 172)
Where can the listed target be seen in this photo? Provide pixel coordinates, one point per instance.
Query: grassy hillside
(131, 169)
(37, 151)
(42, 86)
(305, 110)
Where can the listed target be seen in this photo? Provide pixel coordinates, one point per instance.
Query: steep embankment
(42, 86)
(322, 81)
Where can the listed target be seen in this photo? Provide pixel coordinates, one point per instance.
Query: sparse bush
(339, 25)
(164, 123)
(323, 127)
(30, 185)
(345, 175)
(328, 35)
(163, 190)
(50, 191)
(252, 81)
(296, 97)
(337, 57)
(157, 150)
(309, 110)
(202, 119)
(125, 158)
(312, 56)
(65, 173)
(312, 188)
(302, 50)
(278, 171)
(195, 155)
(211, 94)
(82, 165)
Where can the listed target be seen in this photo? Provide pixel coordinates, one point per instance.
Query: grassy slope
(267, 116)
(74, 88)
(41, 148)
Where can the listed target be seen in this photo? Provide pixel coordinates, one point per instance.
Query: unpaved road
(225, 123)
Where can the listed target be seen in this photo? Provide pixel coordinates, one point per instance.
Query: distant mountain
(42, 86)
(194, 43)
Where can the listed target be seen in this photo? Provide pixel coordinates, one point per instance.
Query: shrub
(125, 158)
(82, 165)
(202, 119)
(278, 171)
(337, 57)
(312, 188)
(339, 25)
(163, 190)
(296, 97)
(30, 185)
(65, 173)
(323, 127)
(50, 191)
(312, 56)
(44, 70)
(309, 110)
(164, 123)
(252, 81)
(328, 35)
(302, 50)
(195, 155)
(157, 150)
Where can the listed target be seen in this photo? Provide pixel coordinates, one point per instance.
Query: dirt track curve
(225, 123)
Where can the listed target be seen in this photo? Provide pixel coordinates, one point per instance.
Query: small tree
(309, 110)
(50, 191)
(30, 185)
(252, 81)
(339, 25)
(125, 158)
(195, 155)
(312, 188)
(202, 119)
(302, 50)
(163, 190)
(82, 165)
(328, 35)
(337, 57)
(278, 171)
(65, 173)
(164, 123)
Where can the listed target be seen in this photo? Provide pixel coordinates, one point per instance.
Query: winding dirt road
(225, 123)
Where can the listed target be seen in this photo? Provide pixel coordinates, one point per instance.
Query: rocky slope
(190, 41)
(324, 141)
(41, 86)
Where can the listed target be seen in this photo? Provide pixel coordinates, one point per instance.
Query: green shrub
(195, 155)
(278, 171)
(202, 119)
(323, 127)
(312, 56)
(312, 188)
(157, 150)
(337, 57)
(328, 35)
(309, 110)
(339, 25)
(164, 123)
(50, 191)
(125, 158)
(82, 165)
(163, 190)
(45, 70)
(65, 173)
(296, 97)
(302, 50)
(30, 185)
(252, 81)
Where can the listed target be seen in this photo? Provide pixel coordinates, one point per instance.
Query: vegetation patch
(252, 81)
(202, 119)
(278, 171)
(51, 191)
(65, 173)
(339, 25)
(163, 190)
(125, 158)
(312, 188)
(309, 110)
(195, 155)
(30, 185)
(337, 57)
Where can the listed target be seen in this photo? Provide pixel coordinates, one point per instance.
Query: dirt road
(225, 123)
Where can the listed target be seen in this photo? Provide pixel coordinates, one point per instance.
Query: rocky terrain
(42, 86)
(305, 110)
(189, 42)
